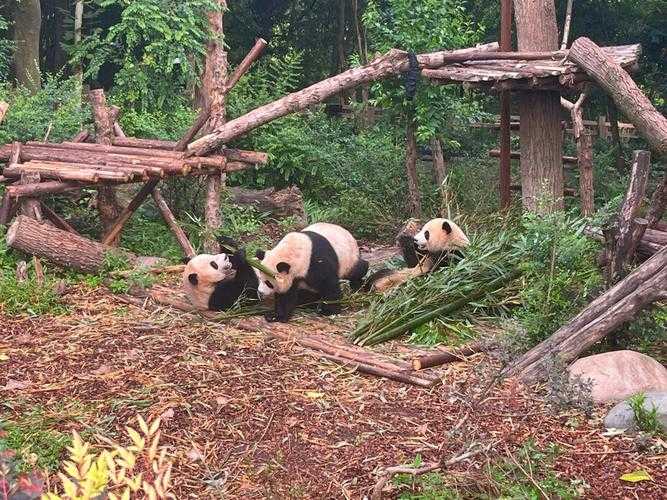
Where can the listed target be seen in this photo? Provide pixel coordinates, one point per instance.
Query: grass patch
(647, 420)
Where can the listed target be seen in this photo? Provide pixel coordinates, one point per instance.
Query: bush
(560, 273)
(57, 104)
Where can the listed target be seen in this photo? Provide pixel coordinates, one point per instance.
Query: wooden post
(658, 203)
(616, 136)
(248, 60)
(541, 141)
(439, 164)
(169, 218)
(505, 101)
(625, 232)
(584, 153)
(629, 98)
(214, 83)
(107, 202)
(114, 232)
(56, 220)
(3, 110)
(414, 197)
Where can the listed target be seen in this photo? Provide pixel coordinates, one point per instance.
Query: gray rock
(617, 375)
(621, 416)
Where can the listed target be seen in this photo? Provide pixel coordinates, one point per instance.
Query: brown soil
(246, 416)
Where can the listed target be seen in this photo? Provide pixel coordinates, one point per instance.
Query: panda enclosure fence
(36, 169)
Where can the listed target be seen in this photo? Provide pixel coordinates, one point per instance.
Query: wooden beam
(516, 155)
(172, 223)
(505, 100)
(125, 215)
(56, 220)
(248, 60)
(199, 122)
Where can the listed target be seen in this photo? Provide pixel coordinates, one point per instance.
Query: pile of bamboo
(127, 160)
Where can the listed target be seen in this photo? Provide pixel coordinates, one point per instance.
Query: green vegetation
(646, 419)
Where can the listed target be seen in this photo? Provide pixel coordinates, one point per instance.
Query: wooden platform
(544, 73)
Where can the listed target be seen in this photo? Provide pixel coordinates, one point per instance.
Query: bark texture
(541, 138)
(27, 29)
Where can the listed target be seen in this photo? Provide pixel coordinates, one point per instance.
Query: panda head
(282, 280)
(439, 235)
(203, 271)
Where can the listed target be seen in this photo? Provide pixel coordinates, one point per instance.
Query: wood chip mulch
(249, 416)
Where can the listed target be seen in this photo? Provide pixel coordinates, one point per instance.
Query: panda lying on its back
(216, 282)
(432, 248)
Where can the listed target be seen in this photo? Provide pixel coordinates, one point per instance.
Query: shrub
(57, 105)
(646, 420)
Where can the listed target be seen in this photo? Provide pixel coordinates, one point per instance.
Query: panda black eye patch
(426, 235)
(268, 283)
(214, 265)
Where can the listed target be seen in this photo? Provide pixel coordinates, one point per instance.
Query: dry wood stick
(42, 189)
(441, 358)
(169, 218)
(199, 122)
(248, 60)
(133, 142)
(124, 216)
(81, 136)
(56, 220)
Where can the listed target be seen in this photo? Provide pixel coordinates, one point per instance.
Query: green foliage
(560, 273)
(167, 124)
(158, 46)
(423, 26)
(646, 420)
(36, 444)
(56, 105)
(6, 49)
(529, 474)
(647, 333)
(147, 234)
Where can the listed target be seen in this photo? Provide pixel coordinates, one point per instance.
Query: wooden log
(30, 206)
(110, 173)
(132, 142)
(627, 96)
(625, 236)
(658, 204)
(60, 247)
(118, 130)
(248, 60)
(81, 136)
(169, 218)
(42, 189)
(441, 358)
(392, 63)
(71, 175)
(199, 122)
(108, 148)
(516, 155)
(5, 209)
(281, 203)
(439, 167)
(607, 312)
(56, 220)
(124, 216)
(245, 156)
(655, 236)
(3, 110)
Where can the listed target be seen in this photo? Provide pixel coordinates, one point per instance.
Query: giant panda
(437, 243)
(216, 282)
(311, 263)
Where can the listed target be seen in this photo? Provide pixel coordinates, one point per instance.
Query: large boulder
(622, 416)
(618, 375)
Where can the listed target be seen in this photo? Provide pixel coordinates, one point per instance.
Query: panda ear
(259, 254)
(192, 278)
(447, 227)
(283, 267)
(185, 260)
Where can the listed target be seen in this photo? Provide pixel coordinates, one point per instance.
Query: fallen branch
(441, 358)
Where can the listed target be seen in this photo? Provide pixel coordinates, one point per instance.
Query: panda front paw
(272, 317)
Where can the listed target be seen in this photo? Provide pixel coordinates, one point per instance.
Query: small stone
(617, 375)
(621, 416)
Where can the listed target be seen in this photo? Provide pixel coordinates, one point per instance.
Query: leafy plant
(6, 49)
(560, 273)
(646, 420)
(138, 470)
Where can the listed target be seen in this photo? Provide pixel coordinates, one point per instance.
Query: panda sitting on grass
(436, 245)
(218, 282)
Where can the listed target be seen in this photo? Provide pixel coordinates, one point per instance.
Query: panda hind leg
(357, 275)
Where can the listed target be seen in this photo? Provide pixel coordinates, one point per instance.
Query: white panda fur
(314, 259)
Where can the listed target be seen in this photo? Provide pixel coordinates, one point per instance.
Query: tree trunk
(505, 171)
(283, 203)
(439, 164)
(362, 50)
(609, 311)
(658, 203)
(414, 198)
(540, 133)
(171, 221)
(107, 202)
(78, 23)
(584, 153)
(392, 63)
(629, 99)
(27, 27)
(340, 45)
(616, 137)
(625, 237)
(214, 80)
(60, 247)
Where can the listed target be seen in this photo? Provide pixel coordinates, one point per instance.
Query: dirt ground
(246, 416)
